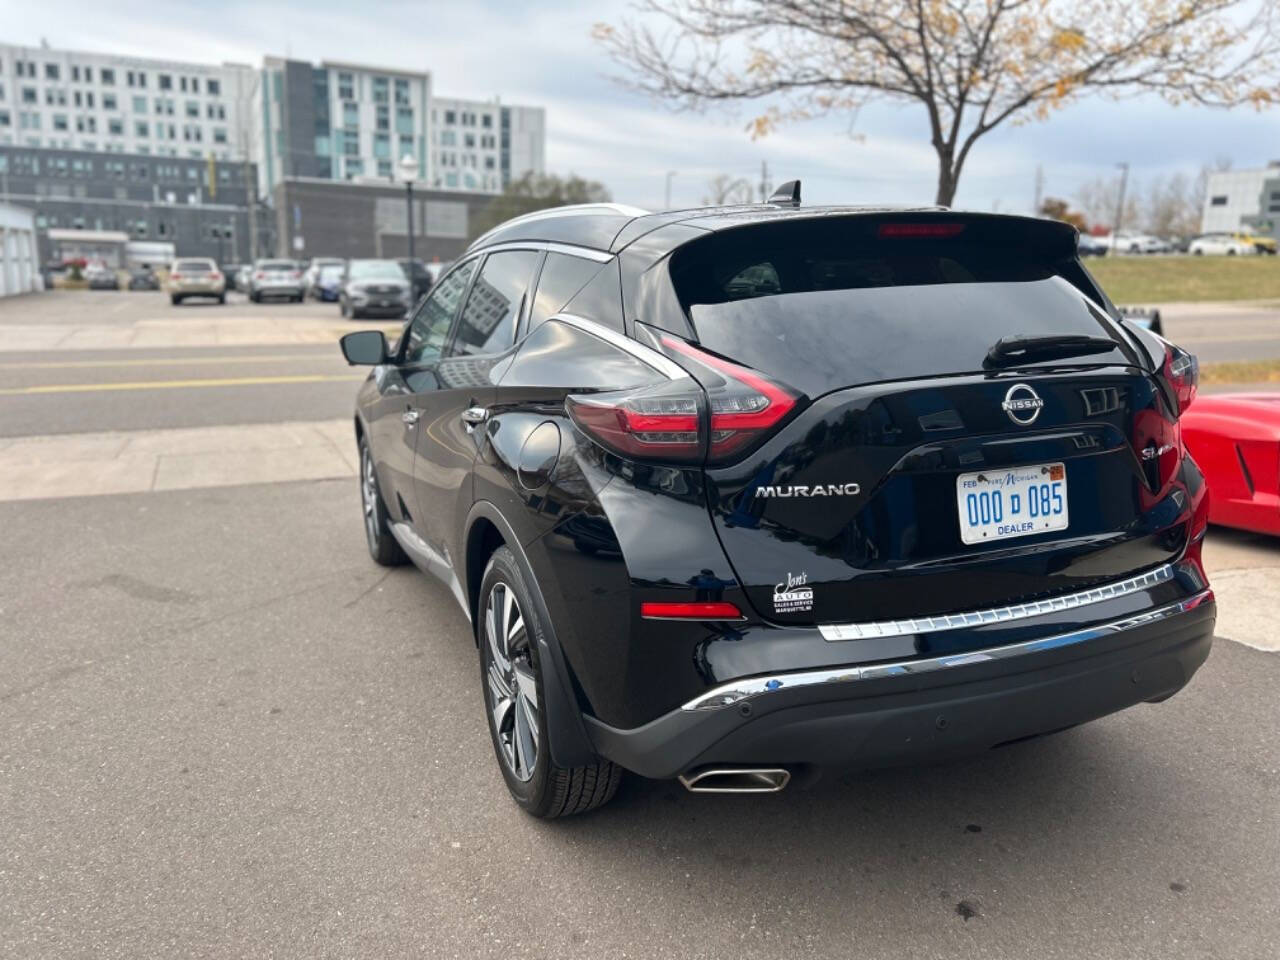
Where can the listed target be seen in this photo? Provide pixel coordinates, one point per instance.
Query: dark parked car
(143, 280)
(418, 275)
(729, 494)
(374, 288)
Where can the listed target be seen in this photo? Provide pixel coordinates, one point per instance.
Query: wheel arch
(486, 530)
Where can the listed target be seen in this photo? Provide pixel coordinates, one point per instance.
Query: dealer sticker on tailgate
(1014, 502)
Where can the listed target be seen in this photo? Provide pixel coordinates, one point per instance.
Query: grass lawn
(1138, 280)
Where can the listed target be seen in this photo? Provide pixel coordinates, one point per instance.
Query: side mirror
(366, 348)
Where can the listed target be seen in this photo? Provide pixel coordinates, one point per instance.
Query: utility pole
(1115, 231)
(1039, 189)
(765, 186)
(670, 174)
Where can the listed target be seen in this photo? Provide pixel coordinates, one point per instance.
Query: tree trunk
(947, 178)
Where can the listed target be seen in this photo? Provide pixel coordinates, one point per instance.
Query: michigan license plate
(1014, 502)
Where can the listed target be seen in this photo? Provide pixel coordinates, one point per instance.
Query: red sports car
(1235, 438)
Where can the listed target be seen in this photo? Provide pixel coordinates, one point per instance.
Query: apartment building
(96, 102)
(346, 121)
(484, 145)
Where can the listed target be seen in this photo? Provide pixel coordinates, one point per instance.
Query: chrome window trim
(739, 690)
(1018, 611)
(569, 249)
(647, 355)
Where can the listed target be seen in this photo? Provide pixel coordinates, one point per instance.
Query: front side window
(430, 327)
(489, 319)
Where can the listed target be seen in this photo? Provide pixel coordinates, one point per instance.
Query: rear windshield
(376, 270)
(824, 306)
(277, 265)
(193, 266)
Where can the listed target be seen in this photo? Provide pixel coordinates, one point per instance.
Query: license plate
(1013, 502)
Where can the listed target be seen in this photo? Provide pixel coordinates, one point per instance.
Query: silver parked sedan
(374, 288)
(275, 278)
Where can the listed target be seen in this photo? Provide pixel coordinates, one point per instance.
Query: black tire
(1231, 251)
(255, 296)
(543, 789)
(342, 307)
(377, 525)
(175, 299)
(222, 298)
(1197, 252)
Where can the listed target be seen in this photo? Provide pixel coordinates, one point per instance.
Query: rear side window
(827, 305)
(562, 277)
(489, 319)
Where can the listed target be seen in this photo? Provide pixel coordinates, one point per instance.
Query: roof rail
(553, 213)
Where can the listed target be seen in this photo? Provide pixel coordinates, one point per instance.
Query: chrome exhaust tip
(736, 780)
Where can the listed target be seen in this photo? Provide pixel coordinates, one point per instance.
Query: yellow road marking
(174, 384)
(172, 361)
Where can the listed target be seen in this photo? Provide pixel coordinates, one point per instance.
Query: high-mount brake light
(690, 611)
(922, 230)
(668, 421)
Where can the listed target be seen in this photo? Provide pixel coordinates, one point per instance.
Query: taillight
(1181, 371)
(259, 275)
(295, 274)
(215, 276)
(684, 420)
(744, 407)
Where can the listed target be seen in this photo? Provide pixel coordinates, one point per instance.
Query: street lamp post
(670, 174)
(408, 171)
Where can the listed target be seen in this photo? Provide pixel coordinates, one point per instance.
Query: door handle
(474, 416)
(410, 416)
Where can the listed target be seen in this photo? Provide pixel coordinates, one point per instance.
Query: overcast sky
(542, 53)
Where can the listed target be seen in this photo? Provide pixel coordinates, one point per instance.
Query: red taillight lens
(1181, 371)
(215, 276)
(670, 421)
(933, 230)
(259, 275)
(743, 408)
(295, 274)
(690, 611)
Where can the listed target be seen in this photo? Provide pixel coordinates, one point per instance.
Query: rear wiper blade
(1011, 351)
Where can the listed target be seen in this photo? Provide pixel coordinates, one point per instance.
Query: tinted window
(194, 266)
(562, 277)
(489, 318)
(430, 327)
(826, 306)
(277, 265)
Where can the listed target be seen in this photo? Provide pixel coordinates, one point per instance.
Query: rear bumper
(278, 290)
(886, 714)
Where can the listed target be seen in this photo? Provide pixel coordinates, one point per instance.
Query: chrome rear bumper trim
(739, 690)
(1017, 611)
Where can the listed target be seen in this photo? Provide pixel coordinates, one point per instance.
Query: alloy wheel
(369, 497)
(512, 682)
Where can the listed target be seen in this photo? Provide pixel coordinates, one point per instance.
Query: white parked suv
(1220, 244)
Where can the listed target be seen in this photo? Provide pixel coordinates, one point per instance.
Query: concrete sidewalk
(89, 464)
(183, 332)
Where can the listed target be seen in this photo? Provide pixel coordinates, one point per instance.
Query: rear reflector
(690, 611)
(921, 229)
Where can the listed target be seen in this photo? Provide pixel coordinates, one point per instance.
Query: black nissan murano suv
(733, 493)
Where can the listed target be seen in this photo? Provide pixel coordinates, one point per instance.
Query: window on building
(107, 76)
(164, 81)
(346, 87)
(109, 101)
(488, 163)
(88, 74)
(382, 146)
(75, 74)
(195, 84)
(1218, 201)
(5, 121)
(139, 104)
(213, 87)
(219, 135)
(29, 95)
(384, 168)
(354, 167)
(402, 91)
(382, 117)
(469, 141)
(51, 71)
(193, 109)
(115, 126)
(448, 138)
(486, 121)
(351, 144)
(380, 90)
(60, 121)
(141, 128)
(406, 145)
(351, 116)
(450, 117)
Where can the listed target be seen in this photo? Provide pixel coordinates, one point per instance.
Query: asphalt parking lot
(225, 733)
